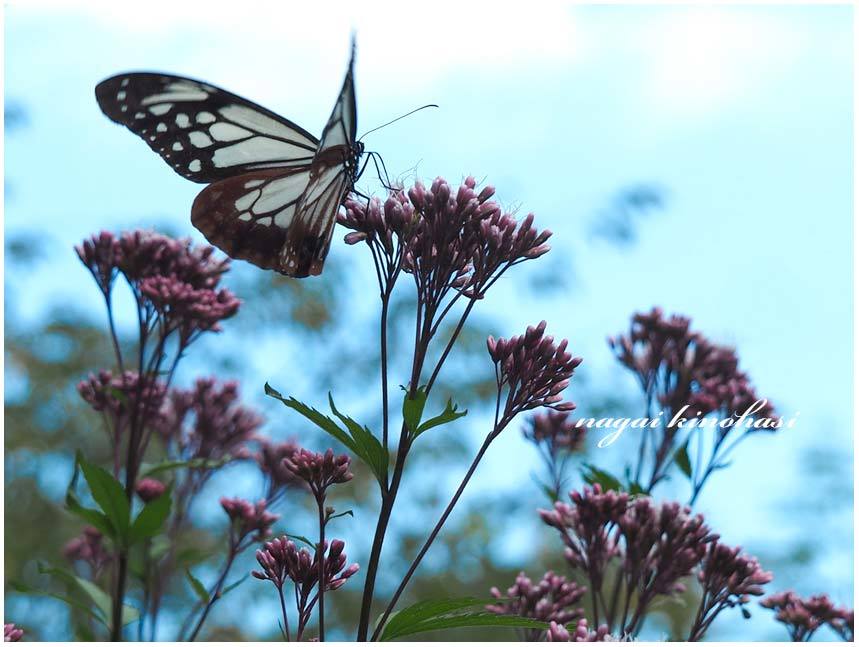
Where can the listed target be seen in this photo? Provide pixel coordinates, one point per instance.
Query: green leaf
(359, 440)
(302, 539)
(322, 421)
(150, 519)
(593, 475)
(426, 610)
(99, 598)
(194, 463)
(95, 518)
(232, 586)
(635, 489)
(198, 587)
(110, 496)
(681, 457)
(370, 449)
(341, 514)
(159, 547)
(20, 587)
(448, 415)
(476, 619)
(413, 409)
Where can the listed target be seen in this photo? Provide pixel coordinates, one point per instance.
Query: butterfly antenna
(429, 105)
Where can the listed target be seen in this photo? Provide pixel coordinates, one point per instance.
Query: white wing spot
(244, 203)
(195, 165)
(252, 183)
(123, 83)
(205, 117)
(161, 128)
(200, 140)
(152, 138)
(174, 96)
(177, 146)
(258, 122)
(228, 132)
(120, 96)
(258, 149)
(245, 216)
(123, 108)
(284, 218)
(161, 109)
(182, 120)
(139, 115)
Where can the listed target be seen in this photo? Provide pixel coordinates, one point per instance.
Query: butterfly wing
(204, 133)
(332, 176)
(248, 216)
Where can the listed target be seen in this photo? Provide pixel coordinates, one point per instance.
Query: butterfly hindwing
(203, 132)
(249, 216)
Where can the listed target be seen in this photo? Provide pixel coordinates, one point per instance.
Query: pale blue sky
(743, 114)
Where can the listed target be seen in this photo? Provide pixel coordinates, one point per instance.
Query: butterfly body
(274, 189)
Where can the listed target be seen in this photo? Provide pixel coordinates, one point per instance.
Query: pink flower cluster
(89, 548)
(247, 518)
(207, 421)
(552, 598)
(449, 239)
(682, 367)
(534, 369)
(804, 616)
(319, 471)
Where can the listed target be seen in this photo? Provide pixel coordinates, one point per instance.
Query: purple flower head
(585, 527)
(376, 223)
(246, 518)
(100, 255)
(445, 238)
(270, 460)
(534, 369)
(122, 396)
(553, 598)
(186, 309)
(207, 422)
(556, 431)
(144, 254)
(280, 559)
(149, 489)
(804, 616)
(581, 634)
(11, 633)
(88, 548)
(728, 579)
(319, 471)
(663, 544)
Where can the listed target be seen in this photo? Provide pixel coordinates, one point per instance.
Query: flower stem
(215, 593)
(438, 526)
(320, 552)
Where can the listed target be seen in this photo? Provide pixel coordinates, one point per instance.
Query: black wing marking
(203, 132)
(249, 216)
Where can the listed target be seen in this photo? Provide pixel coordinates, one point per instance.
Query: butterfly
(274, 189)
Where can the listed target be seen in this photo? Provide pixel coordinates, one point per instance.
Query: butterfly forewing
(332, 175)
(275, 189)
(203, 132)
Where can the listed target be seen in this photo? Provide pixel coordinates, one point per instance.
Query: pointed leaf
(232, 586)
(101, 599)
(110, 496)
(474, 619)
(322, 421)
(150, 519)
(368, 447)
(448, 415)
(426, 610)
(681, 457)
(197, 586)
(593, 475)
(413, 409)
